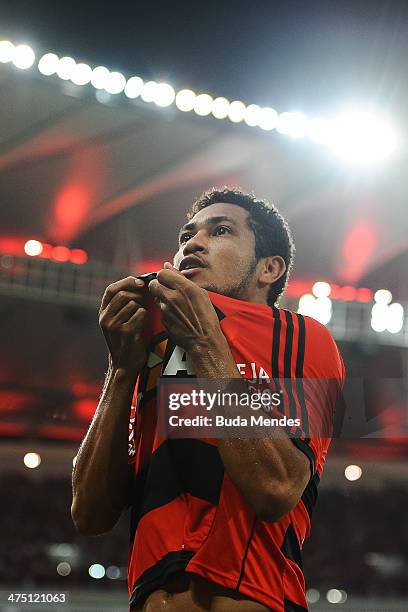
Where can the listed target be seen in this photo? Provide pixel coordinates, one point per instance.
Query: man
(216, 524)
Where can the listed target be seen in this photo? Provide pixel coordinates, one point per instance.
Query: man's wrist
(212, 358)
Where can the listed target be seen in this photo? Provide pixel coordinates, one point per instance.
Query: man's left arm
(271, 473)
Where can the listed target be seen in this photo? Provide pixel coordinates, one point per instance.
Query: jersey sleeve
(315, 387)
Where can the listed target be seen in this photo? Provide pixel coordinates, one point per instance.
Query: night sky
(309, 56)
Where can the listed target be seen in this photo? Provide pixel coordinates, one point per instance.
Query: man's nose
(197, 243)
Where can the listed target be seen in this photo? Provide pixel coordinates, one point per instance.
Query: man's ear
(272, 268)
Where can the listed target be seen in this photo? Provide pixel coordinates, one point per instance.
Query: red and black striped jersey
(186, 513)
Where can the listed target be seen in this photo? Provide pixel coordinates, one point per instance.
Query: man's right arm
(102, 477)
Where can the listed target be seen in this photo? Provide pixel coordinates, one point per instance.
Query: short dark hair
(272, 233)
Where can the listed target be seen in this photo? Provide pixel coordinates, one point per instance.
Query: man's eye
(222, 229)
(184, 238)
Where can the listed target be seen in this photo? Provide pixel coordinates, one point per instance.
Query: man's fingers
(125, 313)
(135, 323)
(130, 283)
(173, 279)
(159, 291)
(121, 298)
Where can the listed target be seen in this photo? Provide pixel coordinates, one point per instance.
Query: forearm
(262, 468)
(100, 480)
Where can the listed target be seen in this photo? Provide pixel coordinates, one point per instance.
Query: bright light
(149, 91)
(33, 248)
(319, 308)
(318, 130)
(379, 316)
(65, 68)
(292, 124)
(321, 289)
(100, 76)
(48, 64)
(115, 83)
(164, 95)
(74, 460)
(133, 87)
(220, 108)
(6, 51)
(60, 253)
(63, 568)
(185, 100)
(236, 111)
(252, 115)
(361, 138)
(383, 296)
(386, 316)
(113, 572)
(336, 596)
(78, 256)
(32, 460)
(312, 596)
(268, 118)
(81, 74)
(203, 104)
(97, 571)
(353, 472)
(395, 319)
(23, 57)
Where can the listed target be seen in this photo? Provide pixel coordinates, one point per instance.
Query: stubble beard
(238, 290)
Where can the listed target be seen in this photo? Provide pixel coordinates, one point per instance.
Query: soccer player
(216, 524)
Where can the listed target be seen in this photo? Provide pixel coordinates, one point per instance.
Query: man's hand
(121, 318)
(187, 311)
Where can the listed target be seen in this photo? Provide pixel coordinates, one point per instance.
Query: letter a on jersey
(179, 364)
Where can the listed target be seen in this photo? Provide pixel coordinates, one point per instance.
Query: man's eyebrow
(208, 221)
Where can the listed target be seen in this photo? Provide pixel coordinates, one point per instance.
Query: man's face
(217, 251)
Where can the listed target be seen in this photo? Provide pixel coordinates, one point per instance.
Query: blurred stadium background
(97, 169)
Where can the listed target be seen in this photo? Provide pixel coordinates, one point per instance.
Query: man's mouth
(190, 265)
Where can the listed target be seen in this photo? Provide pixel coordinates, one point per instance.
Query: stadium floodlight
(318, 130)
(312, 595)
(185, 100)
(292, 124)
(33, 248)
(203, 105)
(100, 76)
(268, 118)
(65, 68)
(164, 95)
(6, 51)
(321, 289)
(48, 64)
(379, 317)
(220, 108)
(32, 460)
(81, 74)
(361, 138)
(383, 296)
(320, 308)
(113, 572)
(395, 320)
(63, 568)
(149, 91)
(23, 57)
(97, 571)
(115, 83)
(252, 115)
(353, 472)
(336, 596)
(236, 111)
(133, 87)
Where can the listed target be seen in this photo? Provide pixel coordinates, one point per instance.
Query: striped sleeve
(307, 367)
